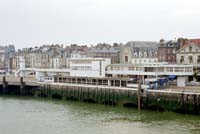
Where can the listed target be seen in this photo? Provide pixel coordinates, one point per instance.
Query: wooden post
(139, 95)
(195, 103)
(182, 101)
(21, 85)
(4, 85)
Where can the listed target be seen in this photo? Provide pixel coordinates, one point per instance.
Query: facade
(144, 60)
(77, 54)
(133, 52)
(6, 55)
(46, 57)
(184, 41)
(189, 54)
(2, 57)
(126, 53)
(167, 51)
(89, 67)
(15, 62)
(144, 55)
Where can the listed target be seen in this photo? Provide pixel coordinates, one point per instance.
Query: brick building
(167, 51)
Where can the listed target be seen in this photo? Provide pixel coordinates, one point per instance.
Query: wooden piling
(22, 84)
(139, 96)
(4, 85)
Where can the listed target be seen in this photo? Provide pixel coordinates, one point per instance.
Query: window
(100, 68)
(126, 58)
(190, 49)
(182, 59)
(190, 59)
(198, 59)
(169, 51)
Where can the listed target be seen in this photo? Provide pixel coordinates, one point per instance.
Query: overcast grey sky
(36, 22)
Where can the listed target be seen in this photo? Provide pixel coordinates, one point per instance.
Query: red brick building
(167, 51)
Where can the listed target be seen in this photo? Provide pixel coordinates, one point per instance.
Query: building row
(152, 62)
(181, 51)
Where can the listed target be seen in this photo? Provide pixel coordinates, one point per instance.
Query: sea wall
(157, 101)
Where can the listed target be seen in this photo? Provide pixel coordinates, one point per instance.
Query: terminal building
(100, 71)
(89, 67)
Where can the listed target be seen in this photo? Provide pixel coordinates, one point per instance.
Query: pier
(182, 101)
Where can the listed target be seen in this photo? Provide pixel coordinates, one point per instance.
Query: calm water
(33, 116)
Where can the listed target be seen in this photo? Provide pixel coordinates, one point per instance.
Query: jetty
(178, 100)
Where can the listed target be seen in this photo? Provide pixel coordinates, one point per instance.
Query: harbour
(20, 114)
(99, 67)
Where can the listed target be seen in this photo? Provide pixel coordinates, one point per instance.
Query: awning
(172, 76)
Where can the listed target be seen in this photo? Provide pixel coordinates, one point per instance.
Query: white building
(88, 67)
(189, 54)
(77, 54)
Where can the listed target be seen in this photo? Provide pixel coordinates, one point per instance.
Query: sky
(26, 23)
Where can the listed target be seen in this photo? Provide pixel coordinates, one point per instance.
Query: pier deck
(30, 81)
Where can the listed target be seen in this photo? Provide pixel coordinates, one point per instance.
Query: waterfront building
(144, 56)
(78, 54)
(152, 72)
(46, 56)
(2, 58)
(26, 53)
(15, 62)
(184, 41)
(89, 67)
(103, 50)
(6, 55)
(189, 54)
(133, 51)
(133, 61)
(167, 51)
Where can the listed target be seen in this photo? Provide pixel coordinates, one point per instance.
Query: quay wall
(187, 103)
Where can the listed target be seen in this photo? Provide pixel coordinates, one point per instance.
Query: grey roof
(142, 44)
(168, 43)
(103, 50)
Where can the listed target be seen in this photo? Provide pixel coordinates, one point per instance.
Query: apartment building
(167, 51)
(189, 54)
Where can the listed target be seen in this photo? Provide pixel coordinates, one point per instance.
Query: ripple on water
(32, 116)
